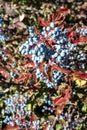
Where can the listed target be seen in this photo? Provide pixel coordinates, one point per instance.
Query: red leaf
(56, 67)
(50, 72)
(62, 10)
(83, 76)
(42, 22)
(7, 53)
(41, 67)
(33, 117)
(2, 71)
(36, 86)
(30, 64)
(10, 127)
(51, 17)
(62, 100)
(23, 76)
(81, 39)
(59, 20)
(46, 127)
(28, 56)
(72, 34)
(80, 74)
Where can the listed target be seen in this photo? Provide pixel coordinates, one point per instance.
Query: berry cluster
(16, 110)
(62, 52)
(82, 31)
(2, 36)
(48, 105)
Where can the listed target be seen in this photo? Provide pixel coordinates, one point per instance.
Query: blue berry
(52, 25)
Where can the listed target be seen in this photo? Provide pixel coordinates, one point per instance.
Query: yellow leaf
(80, 82)
(29, 107)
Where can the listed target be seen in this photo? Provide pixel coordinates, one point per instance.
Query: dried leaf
(21, 25)
(10, 8)
(50, 72)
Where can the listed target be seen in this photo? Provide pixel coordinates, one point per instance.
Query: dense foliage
(43, 69)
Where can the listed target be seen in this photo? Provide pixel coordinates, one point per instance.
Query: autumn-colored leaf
(84, 5)
(4, 72)
(36, 86)
(80, 82)
(62, 100)
(62, 10)
(72, 34)
(7, 53)
(51, 17)
(41, 67)
(10, 127)
(28, 56)
(81, 39)
(46, 127)
(50, 72)
(60, 13)
(33, 117)
(42, 22)
(56, 67)
(23, 76)
(80, 74)
(30, 64)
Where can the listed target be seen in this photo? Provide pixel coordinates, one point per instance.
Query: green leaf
(84, 108)
(58, 126)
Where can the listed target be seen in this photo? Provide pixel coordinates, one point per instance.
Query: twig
(54, 123)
